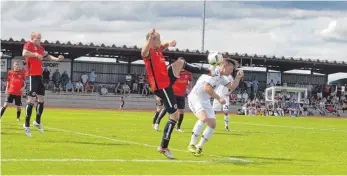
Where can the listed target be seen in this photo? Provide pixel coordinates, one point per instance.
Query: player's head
(155, 40)
(36, 38)
(16, 66)
(227, 66)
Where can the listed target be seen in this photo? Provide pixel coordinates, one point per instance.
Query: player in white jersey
(200, 104)
(223, 92)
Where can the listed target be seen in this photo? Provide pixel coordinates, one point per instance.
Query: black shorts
(169, 99)
(17, 99)
(36, 86)
(122, 105)
(181, 102)
(159, 103)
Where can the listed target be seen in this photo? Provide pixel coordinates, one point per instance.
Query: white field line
(146, 145)
(107, 160)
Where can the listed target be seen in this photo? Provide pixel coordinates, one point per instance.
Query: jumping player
(223, 92)
(14, 88)
(34, 53)
(122, 103)
(199, 101)
(179, 88)
(162, 78)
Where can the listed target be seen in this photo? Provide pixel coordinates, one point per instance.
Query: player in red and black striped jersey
(14, 88)
(179, 88)
(34, 53)
(162, 78)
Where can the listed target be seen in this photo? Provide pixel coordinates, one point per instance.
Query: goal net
(272, 92)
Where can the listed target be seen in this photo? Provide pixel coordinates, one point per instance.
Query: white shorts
(197, 106)
(221, 108)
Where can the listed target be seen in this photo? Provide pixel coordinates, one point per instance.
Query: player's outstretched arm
(27, 53)
(59, 58)
(146, 46)
(210, 91)
(233, 85)
(171, 43)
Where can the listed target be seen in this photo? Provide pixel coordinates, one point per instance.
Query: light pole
(203, 28)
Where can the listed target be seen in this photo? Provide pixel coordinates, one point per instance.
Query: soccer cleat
(27, 130)
(166, 152)
(156, 127)
(198, 151)
(180, 130)
(191, 148)
(38, 126)
(227, 129)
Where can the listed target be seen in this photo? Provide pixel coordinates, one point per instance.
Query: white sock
(196, 131)
(226, 119)
(205, 136)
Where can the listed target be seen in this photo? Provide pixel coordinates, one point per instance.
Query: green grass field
(99, 142)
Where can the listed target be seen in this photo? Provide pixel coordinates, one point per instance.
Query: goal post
(270, 92)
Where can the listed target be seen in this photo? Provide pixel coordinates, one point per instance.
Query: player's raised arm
(210, 91)
(50, 57)
(233, 85)
(149, 37)
(27, 53)
(171, 43)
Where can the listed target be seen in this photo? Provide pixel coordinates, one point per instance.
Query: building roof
(132, 53)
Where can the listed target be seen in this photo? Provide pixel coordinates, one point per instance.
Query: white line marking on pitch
(146, 145)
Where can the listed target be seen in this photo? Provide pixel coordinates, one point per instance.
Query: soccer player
(199, 101)
(14, 88)
(223, 92)
(34, 53)
(159, 105)
(179, 88)
(162, 78)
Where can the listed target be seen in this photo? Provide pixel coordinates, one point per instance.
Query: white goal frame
(273, 90)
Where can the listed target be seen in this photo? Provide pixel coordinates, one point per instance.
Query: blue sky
(315, 30)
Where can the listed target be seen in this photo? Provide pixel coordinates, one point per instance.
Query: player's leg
(40, 106)
(199, 112)
(160, 116)
(181, 104)
(210, 119)
(226, 116)
(180, 64)
(18, 103)
(9, 99)
(170, 105)
(159, 105)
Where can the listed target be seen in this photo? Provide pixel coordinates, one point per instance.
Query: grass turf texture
(124, 143)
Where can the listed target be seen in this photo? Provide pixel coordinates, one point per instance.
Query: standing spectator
(56, 77)
(309, 88)
(64, 80)
(245, 96)
(141, 83)
(69, 87)
(84, 78)
(135, 84)
(255, 86)
(45, 75)
(242, 85)
(92, 77)
(339, 91)
(249, 87)
(79, 87)
(128, 79)
(271, 84)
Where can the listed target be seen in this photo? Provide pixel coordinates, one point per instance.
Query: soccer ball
(214, 58)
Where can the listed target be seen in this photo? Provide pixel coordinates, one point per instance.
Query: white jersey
(222, 92)
(199, 100)
(198, 92)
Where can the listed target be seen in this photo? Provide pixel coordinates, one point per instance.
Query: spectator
(56, 78)
(245, 96)
(45, 75)
(92, 77)
(103, 90)
(69, 87)
(118, 88)
(135, 85)
(57, 87)
(84, 78)
(141, 83)
(3, 84)
(89, 87)
(126, 89)
(128, 79)
(243, 85)
(278, 83)
(271, 84)
(339, 91)
(64, 80)
(79, 87)
(255, 84)
(249, 87)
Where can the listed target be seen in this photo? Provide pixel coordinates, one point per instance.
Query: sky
(316, 30)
